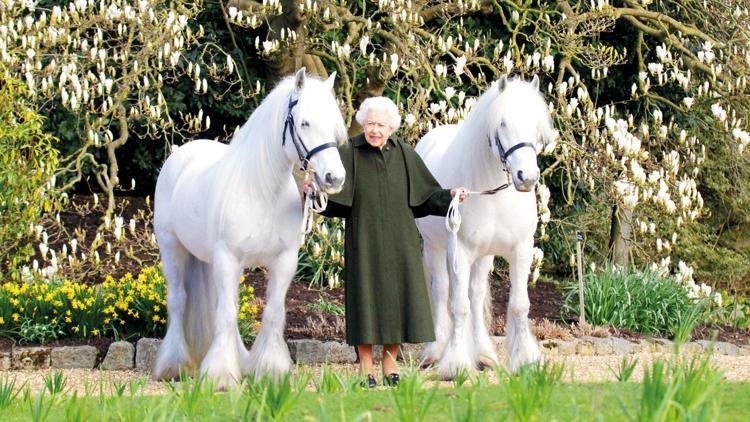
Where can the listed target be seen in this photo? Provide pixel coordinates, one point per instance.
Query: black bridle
(302, 152)
(504, 157)
(505, 154)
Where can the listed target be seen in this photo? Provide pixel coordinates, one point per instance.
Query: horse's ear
(329, 82)
(501, 83)
(299, 80)
(535, 82)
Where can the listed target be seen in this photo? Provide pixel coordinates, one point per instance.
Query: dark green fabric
(387, 300)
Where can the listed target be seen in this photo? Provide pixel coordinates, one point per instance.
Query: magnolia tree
(107, 63)
(642, 92)
(634, 112)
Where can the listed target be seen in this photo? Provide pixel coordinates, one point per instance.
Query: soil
(304, 318)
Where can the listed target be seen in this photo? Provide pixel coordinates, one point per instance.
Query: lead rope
(453, 221)
(316, 201)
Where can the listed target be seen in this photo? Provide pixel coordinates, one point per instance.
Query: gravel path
(577, 369)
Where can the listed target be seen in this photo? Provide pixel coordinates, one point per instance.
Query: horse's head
(518, 126)
(315, 126)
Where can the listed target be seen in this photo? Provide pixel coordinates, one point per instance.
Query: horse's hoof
(427, 364)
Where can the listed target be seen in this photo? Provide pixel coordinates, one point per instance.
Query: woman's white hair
(382, 104)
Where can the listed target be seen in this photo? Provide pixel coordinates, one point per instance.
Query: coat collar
(360, 140)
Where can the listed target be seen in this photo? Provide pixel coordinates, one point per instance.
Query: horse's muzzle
(331, 183)
(524, 182)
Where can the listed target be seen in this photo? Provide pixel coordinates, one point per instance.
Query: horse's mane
(255, 160)
(518, 103)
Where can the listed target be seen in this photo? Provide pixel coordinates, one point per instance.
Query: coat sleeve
(340, 204)
(426, 196)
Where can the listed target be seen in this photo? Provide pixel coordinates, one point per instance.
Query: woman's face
(377, 127)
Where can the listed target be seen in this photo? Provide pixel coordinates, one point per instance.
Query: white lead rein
(453, 221)
(316, 206)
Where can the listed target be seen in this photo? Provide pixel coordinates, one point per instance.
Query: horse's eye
(305, 123)
(502, 124)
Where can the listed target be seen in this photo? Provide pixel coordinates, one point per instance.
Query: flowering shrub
(321, 258)
(131, 306)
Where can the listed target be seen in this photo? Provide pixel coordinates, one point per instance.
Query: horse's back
(195, 156)
(433, 146)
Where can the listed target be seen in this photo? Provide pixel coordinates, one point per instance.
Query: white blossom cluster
(102, 59)
(695, 291)
(71, 256)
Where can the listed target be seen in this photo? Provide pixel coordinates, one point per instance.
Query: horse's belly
(495, 229)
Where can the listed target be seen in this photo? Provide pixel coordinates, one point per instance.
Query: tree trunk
(620, 233)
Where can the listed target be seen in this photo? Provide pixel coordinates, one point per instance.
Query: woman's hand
(462, 192)
(307, 186)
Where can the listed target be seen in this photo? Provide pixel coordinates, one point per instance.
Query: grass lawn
(607, 401)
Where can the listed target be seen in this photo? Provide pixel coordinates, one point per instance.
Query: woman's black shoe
(371, 382)
(391, 379)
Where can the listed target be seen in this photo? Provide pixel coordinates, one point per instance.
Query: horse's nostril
(329, 178)
(520, 175)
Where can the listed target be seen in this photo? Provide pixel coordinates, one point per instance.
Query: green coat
(387, 301)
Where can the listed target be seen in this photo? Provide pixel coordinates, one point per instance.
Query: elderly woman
(387, 186)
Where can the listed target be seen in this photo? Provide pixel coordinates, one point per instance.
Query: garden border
(123, 355)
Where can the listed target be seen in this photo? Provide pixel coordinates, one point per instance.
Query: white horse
(221, 208)
(495, 146)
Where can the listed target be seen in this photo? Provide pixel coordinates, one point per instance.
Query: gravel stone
(336, 352)
(585, 347)
(602, 345)
(68, 357)
(549, 347)
(621, 346)
(307, 351)
(720, 347)
(667, 345)
(499, 342)
(119, 356)
(410, 352)
(566, 347)
(5, 360)
(691, 348)
(145, 353)
(31, 358)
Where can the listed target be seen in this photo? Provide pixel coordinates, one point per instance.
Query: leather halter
(302, 152)
(505, 154)
(504, 157)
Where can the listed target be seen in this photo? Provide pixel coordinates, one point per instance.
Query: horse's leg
(520, 343)
(436, 272)
(270, 354)
(173, 352)
(221, 363)
(485, 352)
(458, 354)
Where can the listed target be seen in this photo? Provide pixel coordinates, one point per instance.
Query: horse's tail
(199, 309)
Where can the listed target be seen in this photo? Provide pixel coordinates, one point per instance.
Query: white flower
(458, 68)
(394, 62)
(688, 101)
(410, 119)
(118, 227)
(719, 112)
(363, 42)
(548, 63)
(449, 92)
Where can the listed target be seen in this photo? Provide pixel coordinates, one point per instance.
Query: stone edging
(123, 355)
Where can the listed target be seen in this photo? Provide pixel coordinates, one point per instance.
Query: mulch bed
(305, 320)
